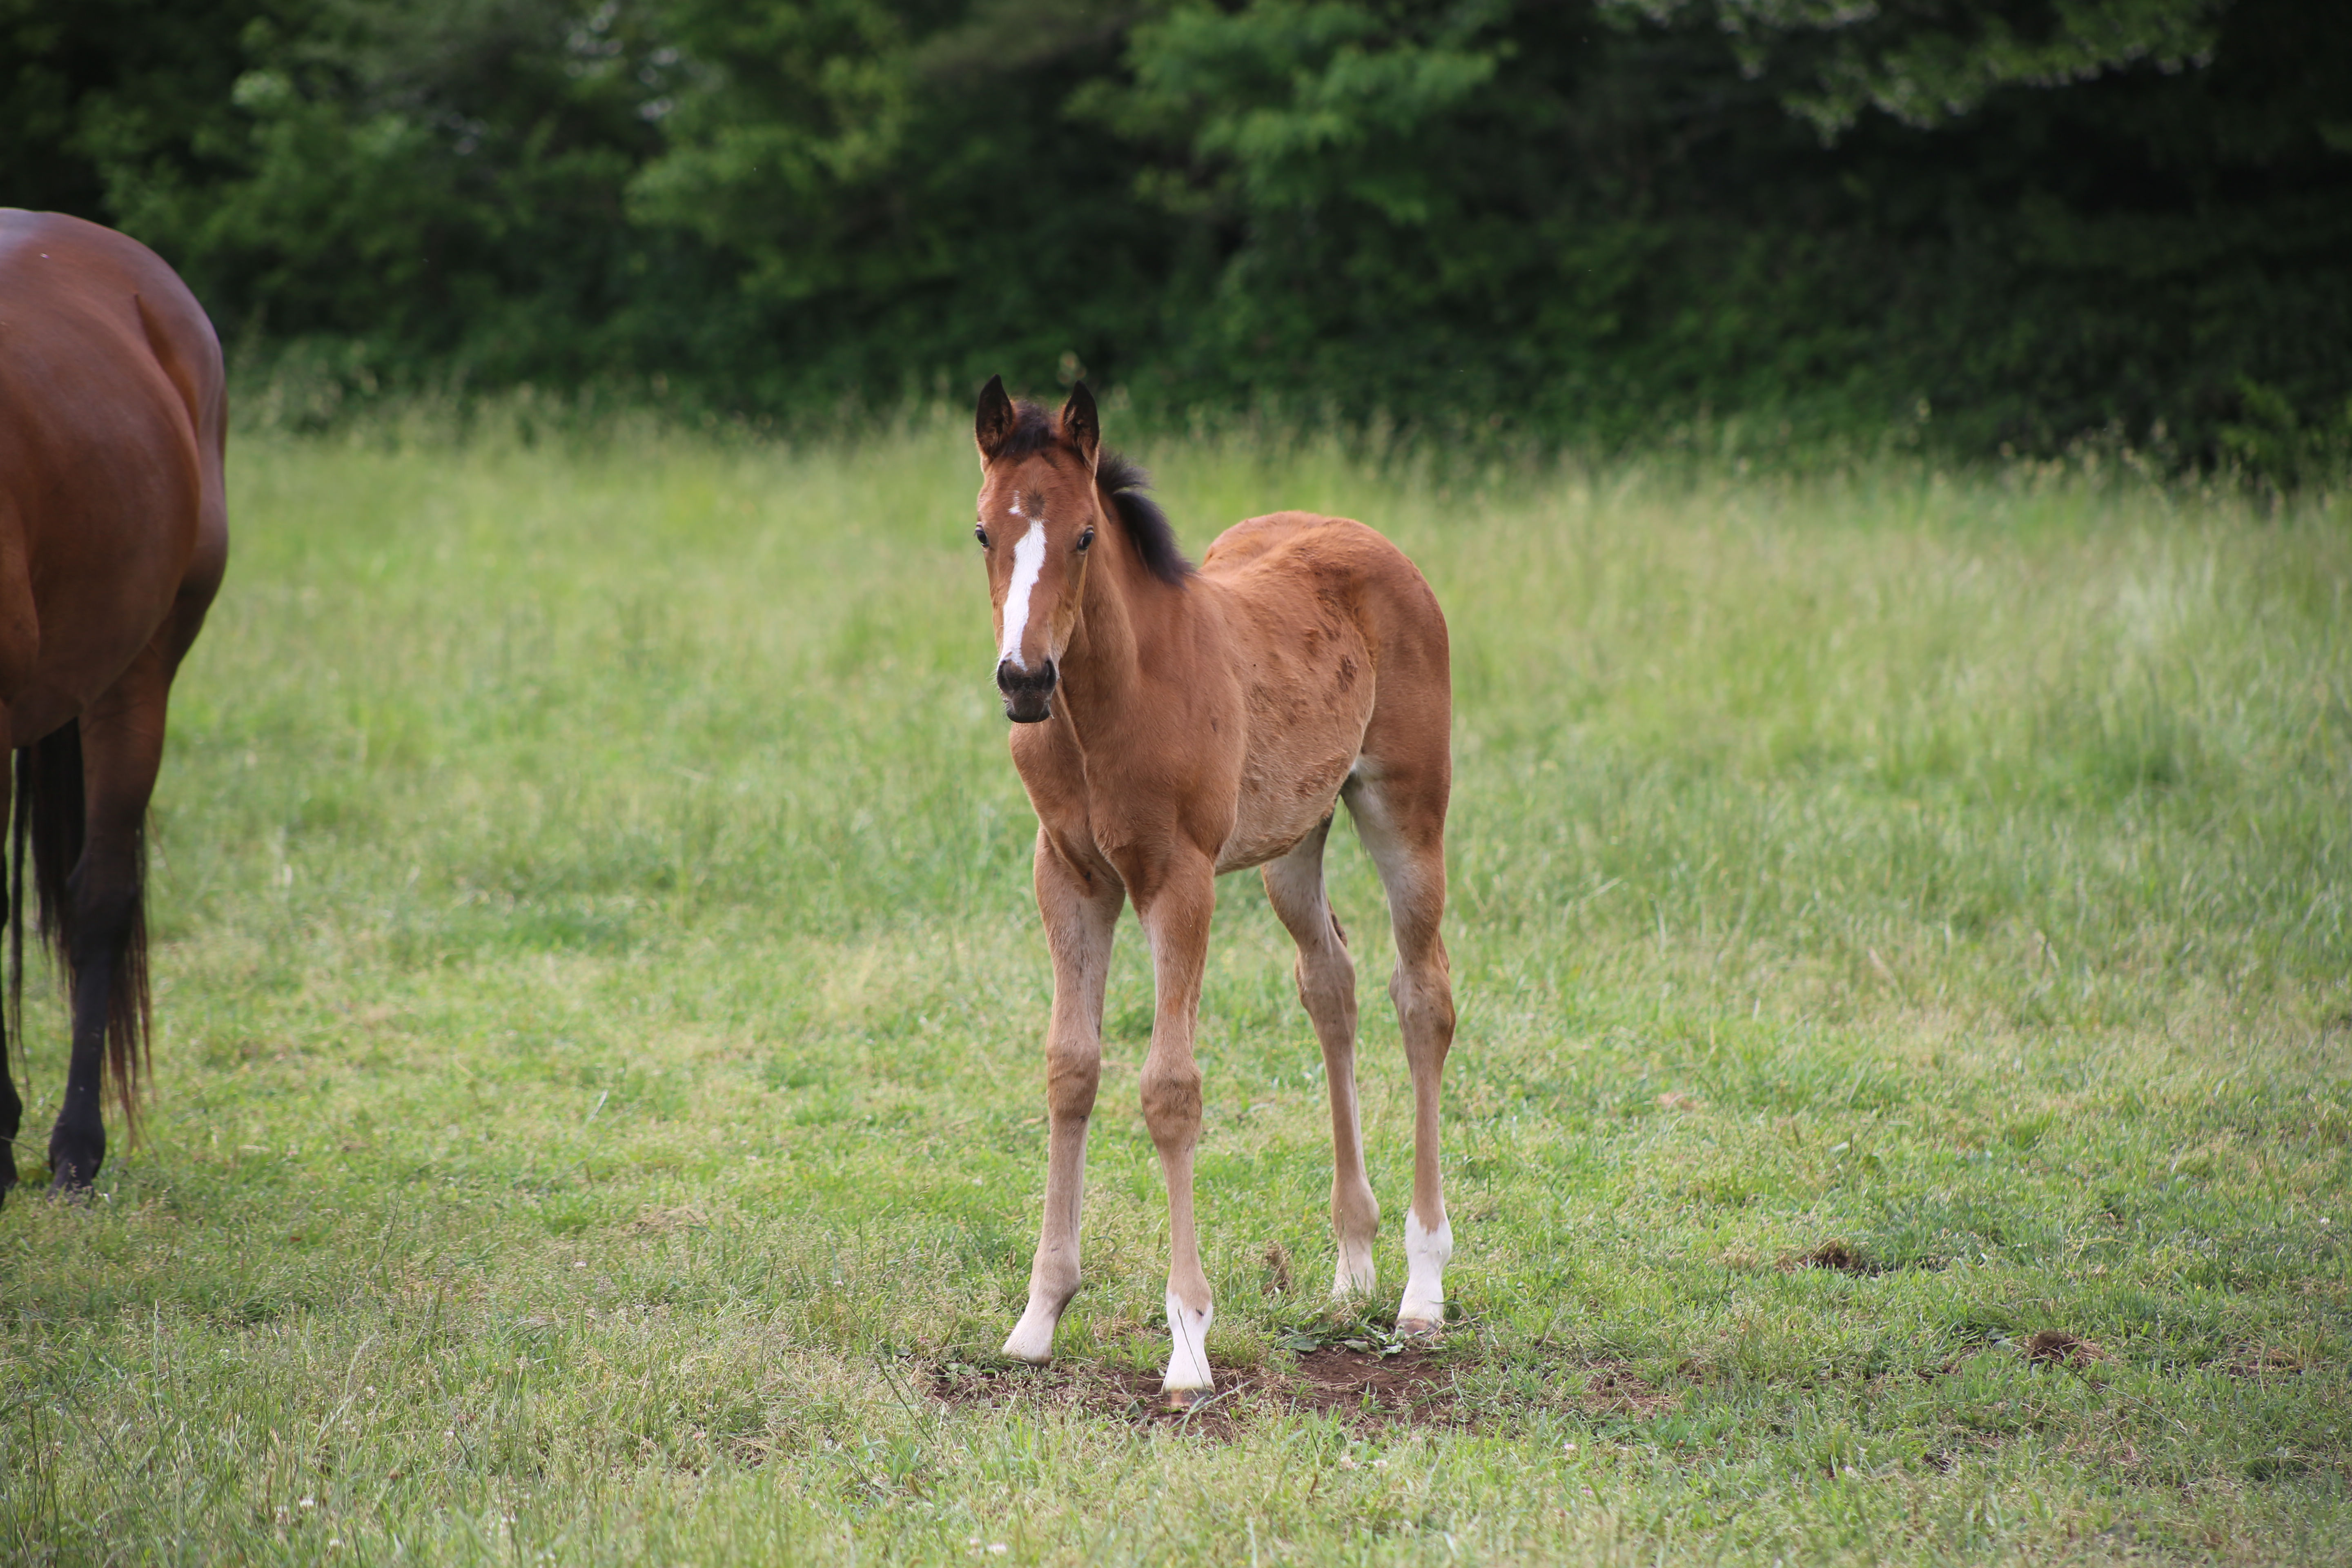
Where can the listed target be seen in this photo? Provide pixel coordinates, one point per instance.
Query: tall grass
(601, 1002)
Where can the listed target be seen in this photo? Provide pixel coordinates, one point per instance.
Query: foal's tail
(48, 831)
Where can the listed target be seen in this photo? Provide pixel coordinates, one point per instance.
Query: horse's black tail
(48, 830)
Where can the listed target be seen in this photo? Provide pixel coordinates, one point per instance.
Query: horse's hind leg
(104, 924)
(12, 1108)
(1400, 812)
(1327, 985)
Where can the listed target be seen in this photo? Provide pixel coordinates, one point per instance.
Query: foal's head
(1041, 481)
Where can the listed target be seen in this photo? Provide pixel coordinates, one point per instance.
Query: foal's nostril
(1014, 681)
(1028, 693)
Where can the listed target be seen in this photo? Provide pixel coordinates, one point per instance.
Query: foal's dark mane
(1122, 479)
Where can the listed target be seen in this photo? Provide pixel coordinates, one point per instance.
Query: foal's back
(1340, 651)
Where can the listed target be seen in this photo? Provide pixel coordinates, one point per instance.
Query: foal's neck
(1123, 606)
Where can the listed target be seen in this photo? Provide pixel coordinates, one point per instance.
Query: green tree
(2019, 219)
(1929, 64)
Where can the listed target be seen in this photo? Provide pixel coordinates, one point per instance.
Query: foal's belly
(1292, 584)
(1286, 792)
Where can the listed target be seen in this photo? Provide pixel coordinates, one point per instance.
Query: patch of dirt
(2063, 1348)
(1364, 1389)
(1831, 1254)
(1368, 1390)
(1413, 1388)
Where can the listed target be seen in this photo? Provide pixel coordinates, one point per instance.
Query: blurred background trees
(2006, 221)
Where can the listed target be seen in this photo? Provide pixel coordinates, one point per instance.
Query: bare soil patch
(1364, 1389)
(1835, 1255)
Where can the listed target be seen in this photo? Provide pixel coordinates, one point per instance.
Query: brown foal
(1172, 723)
(113, 535)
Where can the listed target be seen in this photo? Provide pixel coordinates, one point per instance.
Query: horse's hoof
(73, 1167)
(1424, 1329)
(65, 1190)
(1183, 1399)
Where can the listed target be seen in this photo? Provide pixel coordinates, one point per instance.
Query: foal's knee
(1424, 1004)
(1327, 982)
(1072, 1077)
(1171, 1104)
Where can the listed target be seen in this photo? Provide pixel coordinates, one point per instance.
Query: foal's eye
(1086, 539)
(980, 532)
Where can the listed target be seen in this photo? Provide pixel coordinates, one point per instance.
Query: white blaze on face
(1028, 560)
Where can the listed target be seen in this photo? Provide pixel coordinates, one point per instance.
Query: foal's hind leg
(1081, 913)
(121, 750)
(1400, 812)
(1327, 985)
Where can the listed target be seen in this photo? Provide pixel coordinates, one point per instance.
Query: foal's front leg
(1081, 913)
(1175, 907)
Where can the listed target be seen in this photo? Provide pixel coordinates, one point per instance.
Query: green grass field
(1900, 919)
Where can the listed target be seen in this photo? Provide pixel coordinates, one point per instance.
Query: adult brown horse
(113, 534)
(1176, 722)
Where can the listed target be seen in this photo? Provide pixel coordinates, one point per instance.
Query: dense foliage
(2007, 220)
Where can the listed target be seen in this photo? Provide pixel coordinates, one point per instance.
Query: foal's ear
(992, 426)
(1080, 426)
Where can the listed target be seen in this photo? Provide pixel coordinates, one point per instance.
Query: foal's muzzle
(1028, 693)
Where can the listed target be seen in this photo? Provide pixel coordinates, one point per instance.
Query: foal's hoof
(1421, 1330)
(1183, 1399)
(1031, 1340)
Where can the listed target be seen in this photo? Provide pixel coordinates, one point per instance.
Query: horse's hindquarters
(111, 404)
(113, 534)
